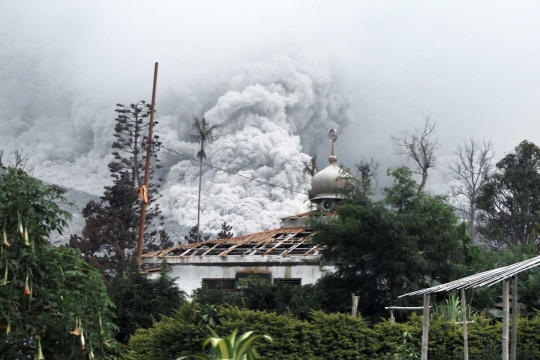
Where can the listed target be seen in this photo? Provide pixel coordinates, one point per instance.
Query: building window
(219, 284)
(290, 282)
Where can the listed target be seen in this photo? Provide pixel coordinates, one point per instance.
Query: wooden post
(513, 340)
(354, 308)
(506, 288)
(464, 319)
(392, 318)
(425, 328)
(144, 188)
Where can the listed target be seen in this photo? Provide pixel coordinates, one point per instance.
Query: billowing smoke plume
(271, 115)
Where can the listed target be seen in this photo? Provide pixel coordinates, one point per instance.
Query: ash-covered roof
(282, 241)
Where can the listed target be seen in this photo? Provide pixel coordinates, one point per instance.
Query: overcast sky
(472, 65)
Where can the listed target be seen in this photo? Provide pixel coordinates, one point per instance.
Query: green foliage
(173, 336)
(293, 338)
(450, 308)
(342, 336)
(231, 348)
(385, 248)
(208, 315)
(333, 336)
(140, 301)
(263, 295)
(510, 199)
(206, 296)
(45, 291)
(407, 351)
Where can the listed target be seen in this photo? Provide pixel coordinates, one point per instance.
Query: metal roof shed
(486, 278)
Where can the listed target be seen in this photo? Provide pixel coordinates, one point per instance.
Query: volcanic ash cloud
(272, 116)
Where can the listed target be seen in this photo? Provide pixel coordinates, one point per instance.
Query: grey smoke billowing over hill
(276, 76)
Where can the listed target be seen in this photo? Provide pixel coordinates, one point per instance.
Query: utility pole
(143, 190)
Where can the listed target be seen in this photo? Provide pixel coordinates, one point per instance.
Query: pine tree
(225, 232)
(109, 237)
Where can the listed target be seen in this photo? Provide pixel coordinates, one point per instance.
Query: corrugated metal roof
(486, 278)
(282, 241)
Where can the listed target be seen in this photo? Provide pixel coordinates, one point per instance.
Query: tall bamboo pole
(144, 189)
(464, 319)
(425, 328)
(506, 288)
(513, 339)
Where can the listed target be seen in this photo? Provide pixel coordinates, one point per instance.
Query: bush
(173, 336)
(333, 336)
(140, 300)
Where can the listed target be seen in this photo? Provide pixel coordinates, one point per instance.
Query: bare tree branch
(419, 146)
(471, 168)
(368, 169)
(20, 160)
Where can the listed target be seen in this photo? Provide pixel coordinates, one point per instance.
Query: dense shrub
(292, 338)
(140, 300)
(331, 336)
(175, 335)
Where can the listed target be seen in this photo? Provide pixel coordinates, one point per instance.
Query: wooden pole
(464, 320)
(425, 328)
(513, 340)
(354, 308)
(144, 189)
(506, 288)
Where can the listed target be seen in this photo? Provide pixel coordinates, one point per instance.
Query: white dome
(325, 183)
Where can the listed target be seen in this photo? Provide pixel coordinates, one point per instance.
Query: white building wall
(190, 272)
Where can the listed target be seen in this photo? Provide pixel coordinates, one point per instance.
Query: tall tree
(510, 198)
(109, 237)
(45, 291)
(131, 131)
(203, 134)
(472, 168)
(419, 146)
(385, 248)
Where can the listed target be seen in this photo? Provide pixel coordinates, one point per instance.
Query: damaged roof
(282, 241)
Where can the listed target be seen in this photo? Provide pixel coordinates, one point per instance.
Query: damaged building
(286, 254)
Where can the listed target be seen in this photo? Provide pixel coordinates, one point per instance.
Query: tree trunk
(472, 219)
(423, 183)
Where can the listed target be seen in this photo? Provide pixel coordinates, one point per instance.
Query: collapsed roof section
(278, 242)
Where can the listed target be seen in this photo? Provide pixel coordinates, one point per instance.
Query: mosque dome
(326, 185)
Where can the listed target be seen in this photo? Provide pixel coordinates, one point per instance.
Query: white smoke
(274, 113)
(271, 115)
